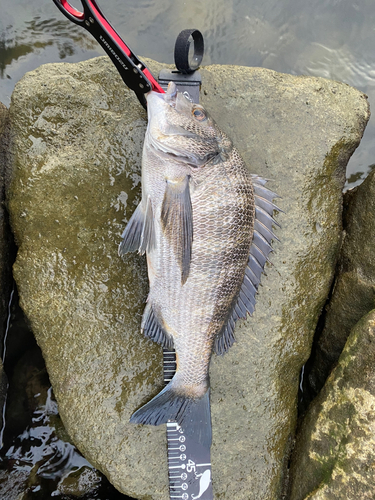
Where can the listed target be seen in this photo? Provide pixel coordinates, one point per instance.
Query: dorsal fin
(259, 251)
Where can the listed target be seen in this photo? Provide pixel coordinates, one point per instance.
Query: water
(330, 38)
(37, 459)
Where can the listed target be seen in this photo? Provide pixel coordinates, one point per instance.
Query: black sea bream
(205, 224)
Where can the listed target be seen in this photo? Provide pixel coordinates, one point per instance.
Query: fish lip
(154, 93)
(156, 103)
(167, 99)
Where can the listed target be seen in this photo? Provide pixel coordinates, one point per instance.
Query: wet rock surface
(78, 137)
(5, 251)
(354, 289)
(335, 451)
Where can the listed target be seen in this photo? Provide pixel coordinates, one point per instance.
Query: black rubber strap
(181, 51)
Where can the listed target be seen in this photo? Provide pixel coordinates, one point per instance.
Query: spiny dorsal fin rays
(177, 222)
(264, 217)
(259, 180)
(259, 252)
(262, 242)
(264, 231)
(264, 192)
(139, 233)
(266, 205)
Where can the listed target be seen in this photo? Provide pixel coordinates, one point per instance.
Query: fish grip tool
(189, 462)
(133, 71)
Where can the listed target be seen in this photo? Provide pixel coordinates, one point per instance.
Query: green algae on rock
(335, 451)
(354, 288)
(77, 136)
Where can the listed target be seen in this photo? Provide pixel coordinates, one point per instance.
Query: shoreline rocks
(77, 140)
(6, 250)
(335, 451)
(353, 294)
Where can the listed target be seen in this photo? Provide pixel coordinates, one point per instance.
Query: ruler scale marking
(189, 464)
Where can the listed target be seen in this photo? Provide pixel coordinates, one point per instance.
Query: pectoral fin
(138, 234)
(177, 222)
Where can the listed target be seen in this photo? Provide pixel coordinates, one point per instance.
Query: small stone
(79, 482)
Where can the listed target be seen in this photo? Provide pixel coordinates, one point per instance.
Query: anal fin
(152, 329)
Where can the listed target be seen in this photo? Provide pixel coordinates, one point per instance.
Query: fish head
(182, 129)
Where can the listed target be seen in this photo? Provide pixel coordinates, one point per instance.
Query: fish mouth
(169, 97)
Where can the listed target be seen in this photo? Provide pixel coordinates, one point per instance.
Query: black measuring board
(189, 463)
(186, 84)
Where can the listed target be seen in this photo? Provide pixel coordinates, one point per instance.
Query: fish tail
(193, 414)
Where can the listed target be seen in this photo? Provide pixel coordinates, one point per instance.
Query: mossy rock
(334, 456)
(354, 288)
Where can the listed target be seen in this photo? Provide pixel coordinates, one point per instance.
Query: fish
(206, 226)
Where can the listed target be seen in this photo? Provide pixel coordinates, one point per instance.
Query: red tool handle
(135, 74)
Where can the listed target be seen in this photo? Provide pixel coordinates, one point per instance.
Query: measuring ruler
(189, 463)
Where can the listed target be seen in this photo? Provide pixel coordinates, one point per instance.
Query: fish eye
(199, 114)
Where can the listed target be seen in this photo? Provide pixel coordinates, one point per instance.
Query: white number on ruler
(190, 466)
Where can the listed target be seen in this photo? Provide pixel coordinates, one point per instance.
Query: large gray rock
(77, 153)
(354, 289)
(335, 451)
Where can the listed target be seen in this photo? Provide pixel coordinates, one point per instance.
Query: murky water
(37, 459)
(329, 38)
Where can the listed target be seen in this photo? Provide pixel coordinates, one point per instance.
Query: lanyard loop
(184, 63)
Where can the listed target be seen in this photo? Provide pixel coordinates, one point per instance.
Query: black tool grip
(181, 51)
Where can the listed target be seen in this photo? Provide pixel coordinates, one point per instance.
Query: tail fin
(192, 414)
